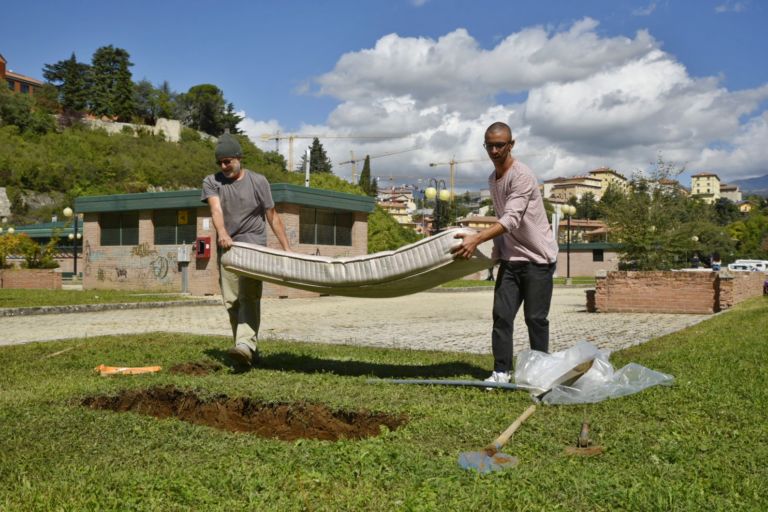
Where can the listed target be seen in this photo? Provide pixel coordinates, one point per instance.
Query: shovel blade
(484, 463)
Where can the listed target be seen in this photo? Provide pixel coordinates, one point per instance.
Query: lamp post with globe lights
(7, 245)
(568, 210)
(74, 237)
(437, 191)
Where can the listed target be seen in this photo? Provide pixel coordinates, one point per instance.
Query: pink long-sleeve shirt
(520, 210)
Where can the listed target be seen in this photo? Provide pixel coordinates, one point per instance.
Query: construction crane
(277, 137)
(453, 162)
(354, 160)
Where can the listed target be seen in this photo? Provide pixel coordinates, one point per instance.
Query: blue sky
(582, 83)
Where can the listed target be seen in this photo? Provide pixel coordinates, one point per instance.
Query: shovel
(490, 458)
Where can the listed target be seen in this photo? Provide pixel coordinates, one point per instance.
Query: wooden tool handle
(504, 437)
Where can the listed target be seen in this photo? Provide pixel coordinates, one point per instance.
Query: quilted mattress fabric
(409, 269)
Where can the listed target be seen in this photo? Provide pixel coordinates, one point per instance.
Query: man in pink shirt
(526, 249)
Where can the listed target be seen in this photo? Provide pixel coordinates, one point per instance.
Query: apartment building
(705, 186)
(17, 82)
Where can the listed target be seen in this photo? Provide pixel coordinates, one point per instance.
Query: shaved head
(498, 126)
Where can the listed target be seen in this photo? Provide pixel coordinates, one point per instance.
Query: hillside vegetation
(78, 161)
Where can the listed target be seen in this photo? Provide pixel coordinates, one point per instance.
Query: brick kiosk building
(139, 241)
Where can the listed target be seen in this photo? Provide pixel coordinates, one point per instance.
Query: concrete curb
(90, 308)
(483, 288)
(460, 290)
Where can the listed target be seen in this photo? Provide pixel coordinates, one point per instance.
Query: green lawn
(18, 298)
(701, 444)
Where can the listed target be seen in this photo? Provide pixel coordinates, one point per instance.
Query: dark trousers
(529, 284)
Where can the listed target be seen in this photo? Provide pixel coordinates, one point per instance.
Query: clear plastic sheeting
(547, 371)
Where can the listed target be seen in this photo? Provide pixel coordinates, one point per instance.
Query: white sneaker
(503, 377)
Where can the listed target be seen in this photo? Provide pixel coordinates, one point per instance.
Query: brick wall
(156, 267)
(738, 286)
(45, 279)
(145, 266)
(289, 213)
(582, 264)
(672, 292)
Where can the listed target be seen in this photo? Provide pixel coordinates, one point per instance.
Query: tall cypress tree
(366, 183)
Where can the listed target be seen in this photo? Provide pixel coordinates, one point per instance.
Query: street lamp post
(437, 191)
(8, 231)
(568, 210)
(74, 236)
(695, 259)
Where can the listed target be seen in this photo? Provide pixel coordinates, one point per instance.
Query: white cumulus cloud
(575, 100)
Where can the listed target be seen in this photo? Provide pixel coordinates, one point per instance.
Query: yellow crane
(277, 137)
(453, 163)
(354, 160)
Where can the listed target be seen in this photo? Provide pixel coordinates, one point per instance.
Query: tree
(167, 102)
(609, 200)
(726, 211)
(751, 236)
(47, 99)
(660, 228)
(35, 255)
(385, 234)
(318, 160)
(231, 119)
(204, 108)
(9, 245)
(71, 78)
(152, 103)
(587, 207)
(367, 183)
(19, 110)
(112, 87)
(145, 102)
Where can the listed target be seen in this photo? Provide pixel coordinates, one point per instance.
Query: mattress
(410, 269)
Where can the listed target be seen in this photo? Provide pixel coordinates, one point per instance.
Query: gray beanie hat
(227, 146)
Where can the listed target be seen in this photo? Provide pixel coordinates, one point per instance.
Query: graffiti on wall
(160, 266)
(142, 250)
(140, 265)
(90, 256)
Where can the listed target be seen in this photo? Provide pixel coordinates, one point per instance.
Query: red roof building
(17, 82)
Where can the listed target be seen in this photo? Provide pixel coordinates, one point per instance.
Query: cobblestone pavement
(454, 321)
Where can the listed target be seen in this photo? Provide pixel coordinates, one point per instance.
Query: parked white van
(741, 267)
(758, 265)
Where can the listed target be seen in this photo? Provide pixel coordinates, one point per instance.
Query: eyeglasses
(497, 145)
(225, 161)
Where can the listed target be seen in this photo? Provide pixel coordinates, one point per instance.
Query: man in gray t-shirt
(241, 206)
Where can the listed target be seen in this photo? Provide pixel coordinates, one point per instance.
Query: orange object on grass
(122, 370)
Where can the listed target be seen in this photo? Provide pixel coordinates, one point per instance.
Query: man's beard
(234, 171)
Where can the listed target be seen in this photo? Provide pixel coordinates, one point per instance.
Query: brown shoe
(243, 355)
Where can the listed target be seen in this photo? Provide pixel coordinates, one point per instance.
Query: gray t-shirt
(244, 203)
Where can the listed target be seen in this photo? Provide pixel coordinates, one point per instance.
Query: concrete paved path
(452, 321)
